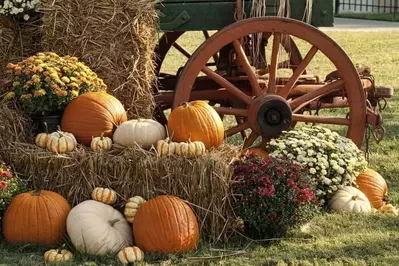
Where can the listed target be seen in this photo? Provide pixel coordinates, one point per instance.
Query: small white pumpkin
(166, 147)
(104, 195)
(41, 140)
(190, 149)
(56, 255)
(96, 228)
(350, 199)
(144, 132)
(61, 142)
(130, 255)
(132, 207)
(101, 143)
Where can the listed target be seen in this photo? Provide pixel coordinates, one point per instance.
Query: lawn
(373, 16)
(329, 239)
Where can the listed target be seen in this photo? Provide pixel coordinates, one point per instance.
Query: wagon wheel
(268, 111)
(170, 39)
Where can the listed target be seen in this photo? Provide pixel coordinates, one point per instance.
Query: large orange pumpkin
(198, 120)
(91, 114)
(373, 185)
(36, 217)
(166, 224)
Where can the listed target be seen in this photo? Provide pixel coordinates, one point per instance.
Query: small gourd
(57, 255)
(190, 149)
(104, 195)
(130, 255)
(132, 207)
(166, 147)
(61, 142)
(388, 209)
(41, 138)
(101, 143)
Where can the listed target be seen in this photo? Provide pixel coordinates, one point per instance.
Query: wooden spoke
(308, 97)
(240, 121)
(236, 129)
(242, 58)
(264, 142)
(181, 49)
(321, 119)
(298, 71)
(232, 111)
(226, 84)
(273, 63)
(206, 35)
(251, 139)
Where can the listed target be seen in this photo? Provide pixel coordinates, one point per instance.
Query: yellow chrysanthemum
(73, 85)
(65, 79)
(38, 93)
(74, 93)
(16, 83)
(26, 96)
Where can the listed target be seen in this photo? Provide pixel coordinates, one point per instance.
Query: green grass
(373, 16)
(329, 239)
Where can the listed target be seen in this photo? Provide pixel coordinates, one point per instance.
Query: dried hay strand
(19, 39)
(115, 38)
(202, 182)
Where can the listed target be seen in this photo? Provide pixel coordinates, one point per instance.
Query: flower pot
(50, 122)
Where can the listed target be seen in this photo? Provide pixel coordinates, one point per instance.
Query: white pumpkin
(101, 143)
(96, 228)
(350, 199)
(60, 142)
(145, 132)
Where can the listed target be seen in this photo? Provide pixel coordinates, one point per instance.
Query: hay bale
(115, 38)
(202, 182)
(19, 39)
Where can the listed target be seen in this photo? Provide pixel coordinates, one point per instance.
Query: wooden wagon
(234, 72)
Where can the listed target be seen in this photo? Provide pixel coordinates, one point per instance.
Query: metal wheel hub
(270, 115)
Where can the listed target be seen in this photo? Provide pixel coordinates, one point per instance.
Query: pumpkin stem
(189, 137)
(186, 104)
(36, 192)
(45, 126)
(355, 197)
(102, 136)
(385, 198)
(112, 222)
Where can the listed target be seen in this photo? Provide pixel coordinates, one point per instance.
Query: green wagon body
(194, 15)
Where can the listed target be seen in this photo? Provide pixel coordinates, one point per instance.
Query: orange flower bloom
(3, 184)
(5, 173)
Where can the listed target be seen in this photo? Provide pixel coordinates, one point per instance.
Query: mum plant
(20, 9)
(271, 195)
(10, 186)
(46, 82)
(333, 161)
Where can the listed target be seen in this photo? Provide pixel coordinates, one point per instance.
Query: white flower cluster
(18, 7)
(334, 161)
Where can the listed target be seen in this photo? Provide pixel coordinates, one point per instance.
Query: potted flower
(333, 161)
(271, 195)
(10, 186)
(45, 83)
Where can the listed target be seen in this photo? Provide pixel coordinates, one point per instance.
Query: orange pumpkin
(257, 151)
(36, 217)
(91, 114)
(198, 119)
(373, 185)
(166, 224)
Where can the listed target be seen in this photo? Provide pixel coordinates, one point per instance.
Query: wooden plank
(196, 15)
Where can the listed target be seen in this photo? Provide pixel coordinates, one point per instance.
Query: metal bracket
(181, 19)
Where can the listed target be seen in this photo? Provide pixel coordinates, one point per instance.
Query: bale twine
(115, 38)
(202, 182)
